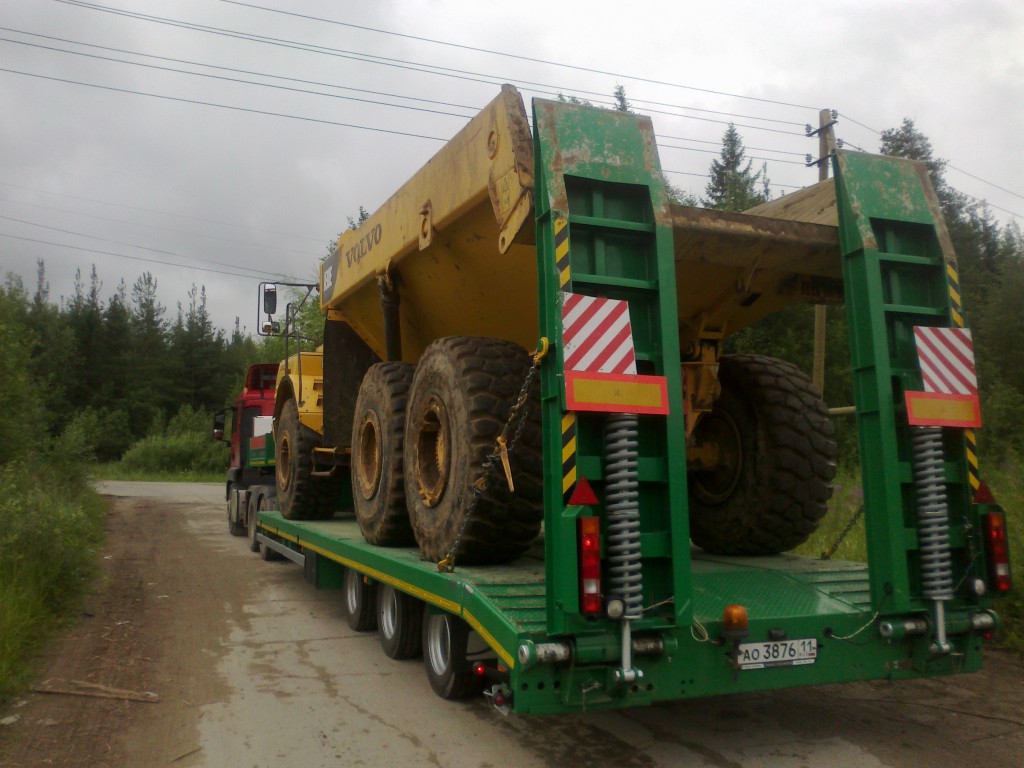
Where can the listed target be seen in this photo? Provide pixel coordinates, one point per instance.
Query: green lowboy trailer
(604, 520)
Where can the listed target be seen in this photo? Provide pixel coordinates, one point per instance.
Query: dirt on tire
(378, 481)
(462, 393)
(302, 495)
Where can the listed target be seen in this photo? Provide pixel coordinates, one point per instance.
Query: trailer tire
(266, 553)
(378, 482)
(301, 495)
(235, 528)
(445, 645)
(360, 600)
(777, 458)
(255, 501)
(399, 623)
(461, 396)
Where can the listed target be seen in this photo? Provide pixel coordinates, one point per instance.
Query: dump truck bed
(458, 240)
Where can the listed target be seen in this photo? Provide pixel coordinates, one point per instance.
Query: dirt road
(249, 666)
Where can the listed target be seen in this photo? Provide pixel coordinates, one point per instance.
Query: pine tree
(733, 184)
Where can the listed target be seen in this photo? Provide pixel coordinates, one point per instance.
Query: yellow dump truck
(522, 400)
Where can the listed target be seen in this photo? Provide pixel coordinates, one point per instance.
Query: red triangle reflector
(984, 495)
(583, 494)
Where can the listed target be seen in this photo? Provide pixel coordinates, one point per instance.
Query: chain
(503, 446)
(827, 554)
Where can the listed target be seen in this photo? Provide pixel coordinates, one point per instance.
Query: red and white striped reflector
(597, 336)
(947, 360)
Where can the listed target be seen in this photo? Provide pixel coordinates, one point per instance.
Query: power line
(153, 226)
(232, 79)
(223, 106)
(149, 261)
(521, 57)
(431, 69)
(714, 152)
(152, 210)
(238, 71)
(130, 245)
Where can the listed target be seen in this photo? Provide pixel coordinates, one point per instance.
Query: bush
(187, 452)
(51, 523)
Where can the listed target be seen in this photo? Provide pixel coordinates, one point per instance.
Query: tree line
(119, 368)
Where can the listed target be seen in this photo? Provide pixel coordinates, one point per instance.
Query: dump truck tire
(461, 396)
(378, 482)
(300, 495)
(777, 458)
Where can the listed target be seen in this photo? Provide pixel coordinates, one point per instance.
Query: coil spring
(621, 440)
(932, 514)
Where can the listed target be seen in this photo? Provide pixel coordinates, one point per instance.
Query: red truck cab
(251, 415)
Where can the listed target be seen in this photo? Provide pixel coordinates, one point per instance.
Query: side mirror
(218, 425)
(270, 299)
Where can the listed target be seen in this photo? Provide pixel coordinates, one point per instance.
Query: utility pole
(826, 144)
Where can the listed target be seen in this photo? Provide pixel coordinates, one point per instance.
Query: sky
(217, 144)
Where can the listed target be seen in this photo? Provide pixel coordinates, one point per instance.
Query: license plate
(777, 653)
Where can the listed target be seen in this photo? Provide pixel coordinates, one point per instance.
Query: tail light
(590, 565)
(997, 551)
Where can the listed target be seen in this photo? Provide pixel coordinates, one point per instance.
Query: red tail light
(590, 565)
(997, 551)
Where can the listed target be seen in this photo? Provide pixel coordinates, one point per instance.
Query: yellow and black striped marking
(568, 456)
(562, 251)
(957, 310)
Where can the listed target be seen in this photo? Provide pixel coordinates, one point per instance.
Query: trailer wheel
(776, 459)
(266, 553)
(378, 483)
(399, 623)
(461, 395)
(255, 501)
(302, 496)
(445, 645)
(235, 528)
(360, 601)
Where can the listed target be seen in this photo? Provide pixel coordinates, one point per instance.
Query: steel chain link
(827, 554)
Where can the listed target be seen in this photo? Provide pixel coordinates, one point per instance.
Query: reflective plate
(777, 653)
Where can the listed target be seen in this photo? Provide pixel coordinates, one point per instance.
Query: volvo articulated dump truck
(521, 451)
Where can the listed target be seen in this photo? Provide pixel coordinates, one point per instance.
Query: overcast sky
(190, 191)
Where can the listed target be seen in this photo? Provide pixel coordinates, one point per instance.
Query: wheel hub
(369, 456)
(432, 460)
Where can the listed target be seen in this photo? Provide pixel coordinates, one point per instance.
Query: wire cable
(149, 261)
(223, 106)
(130, 245)
(521, 57)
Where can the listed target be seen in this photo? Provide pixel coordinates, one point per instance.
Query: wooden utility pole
(826, 143)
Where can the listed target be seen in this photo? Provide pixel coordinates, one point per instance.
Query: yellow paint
(945, 410)
(617, 393)
(459, 236)
(569, 480)
(489, 639)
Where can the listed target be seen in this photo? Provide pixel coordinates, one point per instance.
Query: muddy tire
(250, 519)
(235, 528)
(301, 496)
(378, 482)
(459, 402)
(777, 458)
(445, 645)
(399, 623)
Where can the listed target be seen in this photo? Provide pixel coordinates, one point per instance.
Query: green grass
(51, 523)
(1007, 484)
